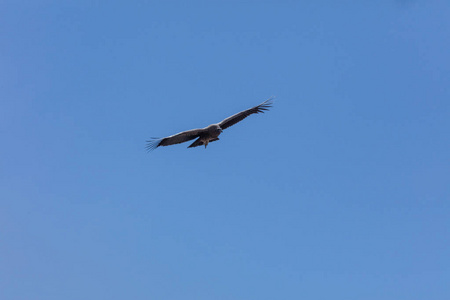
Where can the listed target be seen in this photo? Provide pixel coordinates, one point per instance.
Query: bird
(209, 134)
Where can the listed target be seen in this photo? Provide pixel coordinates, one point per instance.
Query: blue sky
(341, 191)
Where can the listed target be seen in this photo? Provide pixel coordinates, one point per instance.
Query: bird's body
(208, 134)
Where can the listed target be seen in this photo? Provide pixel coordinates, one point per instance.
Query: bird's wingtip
(269, 101)
(265, 105)
(153, 144)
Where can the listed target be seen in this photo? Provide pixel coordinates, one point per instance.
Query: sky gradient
(340, 191)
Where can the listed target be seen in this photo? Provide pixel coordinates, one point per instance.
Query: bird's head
(215, 128)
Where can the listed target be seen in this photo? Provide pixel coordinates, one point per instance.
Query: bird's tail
(198, 142)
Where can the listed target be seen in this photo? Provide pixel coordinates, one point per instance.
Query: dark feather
(197, 143)
(153, 144)
(174, 139)
(245, 113)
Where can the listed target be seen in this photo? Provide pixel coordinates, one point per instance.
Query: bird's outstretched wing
(245, 113)
(174, 139)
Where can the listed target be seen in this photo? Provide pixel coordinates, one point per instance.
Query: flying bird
(209, 134)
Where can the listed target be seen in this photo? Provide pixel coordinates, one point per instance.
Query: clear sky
(341, 191)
